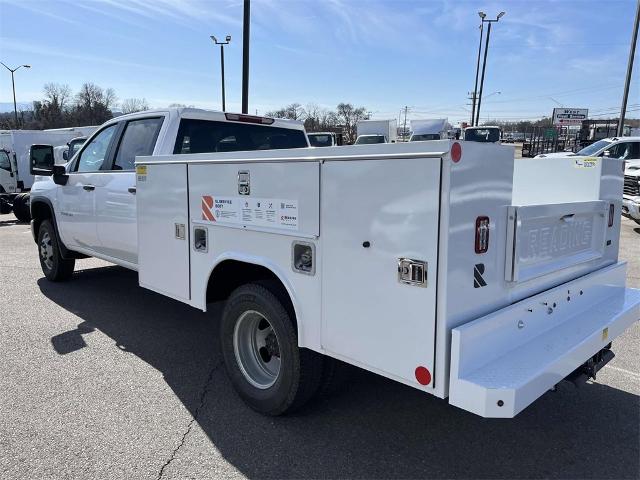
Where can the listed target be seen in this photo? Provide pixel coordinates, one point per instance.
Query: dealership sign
(569, 116)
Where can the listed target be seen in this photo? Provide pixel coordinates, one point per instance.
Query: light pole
(625, 94)
(246, 35)
(475, 86)
(13, 84)
(484, 61)
(222, 44)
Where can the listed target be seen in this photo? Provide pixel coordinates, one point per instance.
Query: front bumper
(631, 207)
(504, 361)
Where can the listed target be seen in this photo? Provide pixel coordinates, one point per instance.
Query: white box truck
(376, 131)
(430, 129)
(15, 177)
(441, 265)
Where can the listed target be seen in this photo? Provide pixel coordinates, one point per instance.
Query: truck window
(204, 136)
(93, 155)
(5, 164)
(139, 138)
(320, 140)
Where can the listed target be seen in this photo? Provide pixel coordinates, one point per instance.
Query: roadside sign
(569, 116)
(550, 133)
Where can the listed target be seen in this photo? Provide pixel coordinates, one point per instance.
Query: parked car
(482, 134)
(626, 148)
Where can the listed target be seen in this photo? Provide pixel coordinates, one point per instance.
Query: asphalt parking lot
(100, 378)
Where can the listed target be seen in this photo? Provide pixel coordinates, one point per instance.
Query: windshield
(5, 164)
(320, 140)
(425, 136)
(482, 134)
(370, 139)
(594, 148)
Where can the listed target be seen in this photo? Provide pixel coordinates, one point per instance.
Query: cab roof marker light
(236, 117)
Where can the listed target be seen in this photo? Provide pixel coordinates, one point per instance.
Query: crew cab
(92, 199)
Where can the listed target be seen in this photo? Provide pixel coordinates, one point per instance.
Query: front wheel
(54, 267)
(261, 354)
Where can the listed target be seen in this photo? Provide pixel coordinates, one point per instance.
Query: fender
(272, 267)
(64, 251)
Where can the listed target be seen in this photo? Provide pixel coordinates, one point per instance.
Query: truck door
(379, 264)
(77, 199)
(116, 196)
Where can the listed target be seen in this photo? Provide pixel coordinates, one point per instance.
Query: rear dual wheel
(21, 207)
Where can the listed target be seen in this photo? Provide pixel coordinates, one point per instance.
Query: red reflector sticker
(456, 152)
(423, 376)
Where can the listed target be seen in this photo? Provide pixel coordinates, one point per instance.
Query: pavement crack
(203, 396)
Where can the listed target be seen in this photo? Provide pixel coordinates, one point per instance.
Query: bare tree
(92, 104)
(131, 105)
(58, 95)
(349, 116)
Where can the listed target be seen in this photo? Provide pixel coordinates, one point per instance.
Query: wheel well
(231, 274)
(39, 211)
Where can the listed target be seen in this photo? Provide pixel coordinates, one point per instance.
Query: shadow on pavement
(377, 428)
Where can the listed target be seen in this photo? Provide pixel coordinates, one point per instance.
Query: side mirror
(65, 155)
(42, 161)
(606, 153)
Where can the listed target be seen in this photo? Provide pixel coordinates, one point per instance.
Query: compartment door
(163, 229)
(374, 214)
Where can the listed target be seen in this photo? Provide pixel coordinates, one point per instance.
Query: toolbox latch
(412, 272)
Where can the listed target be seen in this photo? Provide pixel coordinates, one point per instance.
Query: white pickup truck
(443, 265)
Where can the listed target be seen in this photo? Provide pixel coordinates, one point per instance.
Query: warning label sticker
(587, 162)
(259, 212)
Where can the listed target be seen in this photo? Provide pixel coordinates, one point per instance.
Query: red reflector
(456, 152)
(611, 212)
(236, 117)
(423, 375)
(482, 234)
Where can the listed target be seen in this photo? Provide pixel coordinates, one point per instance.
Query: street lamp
(484, 61)
(222, 44)
(482, 15)
(13, 83)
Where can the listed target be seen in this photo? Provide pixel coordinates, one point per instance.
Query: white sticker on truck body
(250, 211)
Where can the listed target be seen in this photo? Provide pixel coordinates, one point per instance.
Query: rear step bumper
(504, 361)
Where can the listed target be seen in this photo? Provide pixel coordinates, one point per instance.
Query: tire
(335, 377)
(54, 267)
(255, 331)
(21, 207)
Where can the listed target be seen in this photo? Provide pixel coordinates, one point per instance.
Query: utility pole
(475, 86)
(484, 62)
(222, 44)
(627, 83)
(404, 128)
(245, 55)
(13, 84)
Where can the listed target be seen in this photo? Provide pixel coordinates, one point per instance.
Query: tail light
(237, 117)
(482, 234)
(611, 212)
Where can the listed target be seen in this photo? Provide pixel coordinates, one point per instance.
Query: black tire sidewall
(277, 398)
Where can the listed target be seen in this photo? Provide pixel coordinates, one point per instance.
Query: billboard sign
(563, 117)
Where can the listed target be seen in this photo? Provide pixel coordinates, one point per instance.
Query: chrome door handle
(132, 190)
(88, 188)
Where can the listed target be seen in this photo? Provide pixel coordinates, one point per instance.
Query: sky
(379, 54)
